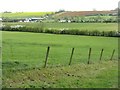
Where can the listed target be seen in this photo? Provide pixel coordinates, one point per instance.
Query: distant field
(79, 26)
(24, 14)
(30, 49)
(83, 13)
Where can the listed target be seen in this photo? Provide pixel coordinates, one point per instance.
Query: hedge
(69, 32)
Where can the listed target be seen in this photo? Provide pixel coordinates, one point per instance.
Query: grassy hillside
(24, 14)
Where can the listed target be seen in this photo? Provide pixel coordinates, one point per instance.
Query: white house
(0, 19)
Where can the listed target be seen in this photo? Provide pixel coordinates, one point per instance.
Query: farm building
(33, 19)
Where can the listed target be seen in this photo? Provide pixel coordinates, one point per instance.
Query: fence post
(89, 56)
(101, 54)
(0, 52)
(71, 56)
(112, 54)
(11, 48)
(47, 53)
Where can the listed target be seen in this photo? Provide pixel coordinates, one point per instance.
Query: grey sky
(55, 5)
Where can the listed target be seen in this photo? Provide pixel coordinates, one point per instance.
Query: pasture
(24, 53)
(30, 49)
(23, 57)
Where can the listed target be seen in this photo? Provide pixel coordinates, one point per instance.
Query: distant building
(62, 21)
(33, 19)
(0, 19)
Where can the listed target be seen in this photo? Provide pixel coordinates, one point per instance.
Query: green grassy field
(79, 26)
(23, 56)
(30, 49)
(24, 14)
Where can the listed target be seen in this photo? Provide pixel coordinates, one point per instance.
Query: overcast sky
(55, 5)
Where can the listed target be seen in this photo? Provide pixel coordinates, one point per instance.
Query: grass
(23, 50)
(23, 56)
(79, 26)
(98, 75)
(24, 14)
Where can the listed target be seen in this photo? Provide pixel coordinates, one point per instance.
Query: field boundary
(64, 31)
(88, 61)
(72, 53)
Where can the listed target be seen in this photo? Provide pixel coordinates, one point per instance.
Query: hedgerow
(69, 32)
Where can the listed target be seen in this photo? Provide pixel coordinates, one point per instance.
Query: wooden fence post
(0, 52)
(71, 56)
(11, 48)
(89, 56)
(101, 54)
(47, 53)
(112, 54)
